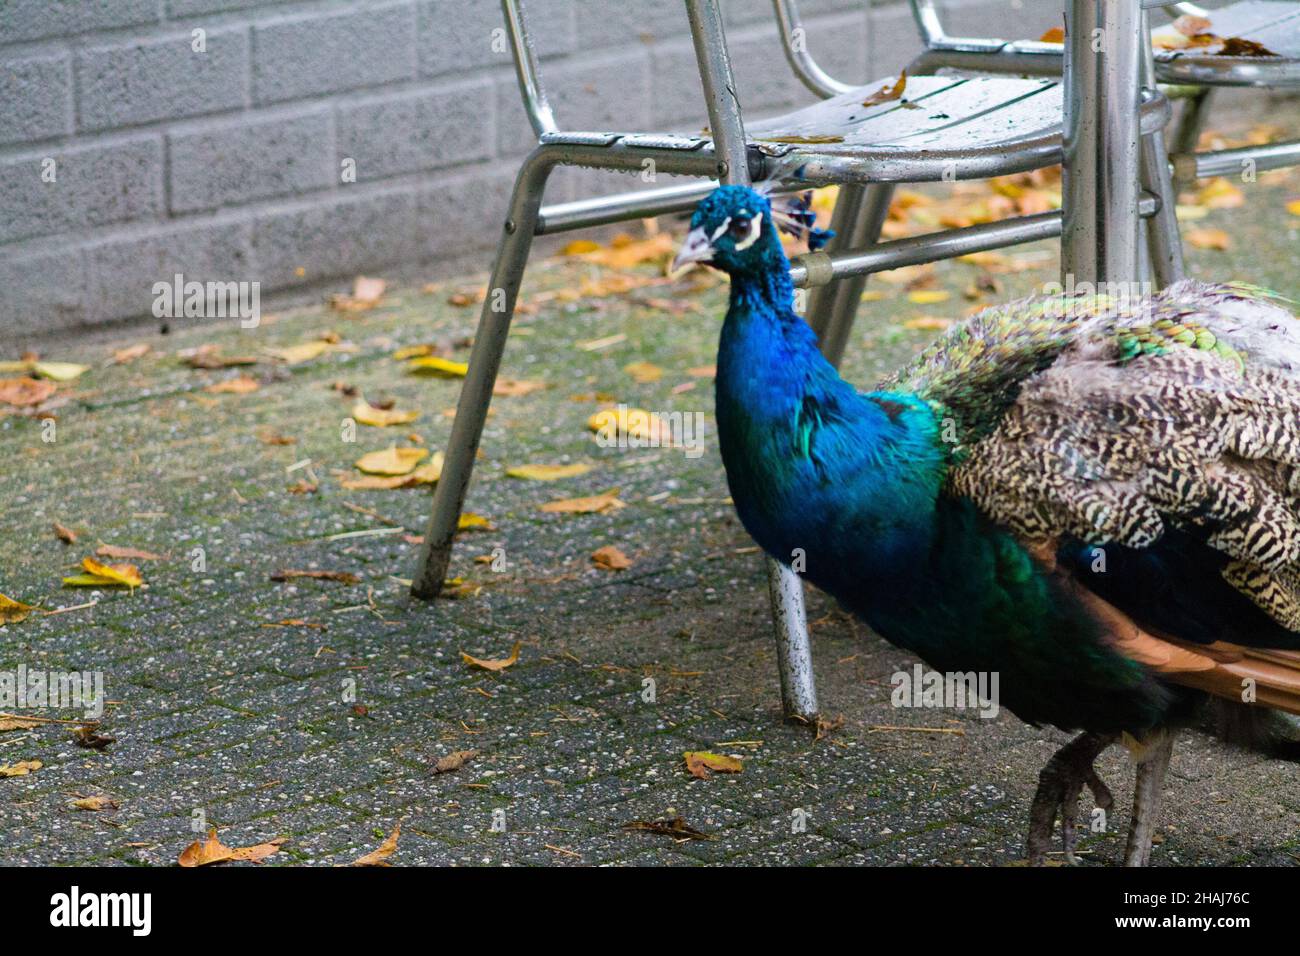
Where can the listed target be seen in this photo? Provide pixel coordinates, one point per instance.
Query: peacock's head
(734, 229)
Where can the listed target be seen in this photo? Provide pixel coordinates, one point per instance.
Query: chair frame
(730, 158)
(1202, 73)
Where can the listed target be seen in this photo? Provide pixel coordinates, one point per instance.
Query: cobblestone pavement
(224, 714)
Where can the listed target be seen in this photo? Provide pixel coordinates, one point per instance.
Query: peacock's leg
(1059, 785)
(1152, 766)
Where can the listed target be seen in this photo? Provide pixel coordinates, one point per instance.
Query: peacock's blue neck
(848, 479)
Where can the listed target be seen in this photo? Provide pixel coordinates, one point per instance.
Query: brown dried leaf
(20, 769)
(25, 391)
(1209, 239)
(594, 504)
(454, 761)
(258, 853)
(380, 856)
(888, 92)
(493, 665)
(85, 737)
(131, 353)
(242, 385)
(676, 827)
(17, 723)
(344, 577)
(610, 558)
(64, 533)
(510, 387)
(94, 803)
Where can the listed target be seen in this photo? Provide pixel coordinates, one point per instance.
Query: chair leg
(867, 225)
(793, 650)
(1163, 244)
(476, 393)
(848, 210)
(1187, 131)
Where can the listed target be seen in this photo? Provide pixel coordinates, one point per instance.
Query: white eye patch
(755, 228)
(720, 230)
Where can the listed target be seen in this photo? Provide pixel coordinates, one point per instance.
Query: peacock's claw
(1059, 785)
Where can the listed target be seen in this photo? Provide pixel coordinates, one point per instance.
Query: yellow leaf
(367, 414)
(703, 764)
(59, 371)
(20, 769)
(1054, 35)
(1209, 239)
(386, 849)
(636, 423)
(493, 665)
(11, 611)
(131, 353)
(1293, 207)
(548, 472)
(303, 352)
(928, 296)
(412, 351)
(625, 252)
(594, 504)
(441, 367)
(391, 461)
(469, 521)
(644, 372)
(873, 295)
(1219, 193)
(100, 575)
(580, 247)
(1187, 213)
(928, 323)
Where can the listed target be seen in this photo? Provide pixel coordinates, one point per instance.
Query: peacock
(1096, 498)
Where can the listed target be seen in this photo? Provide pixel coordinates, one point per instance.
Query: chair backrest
(934, 36)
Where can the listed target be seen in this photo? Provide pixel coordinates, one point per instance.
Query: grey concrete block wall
(142, 138)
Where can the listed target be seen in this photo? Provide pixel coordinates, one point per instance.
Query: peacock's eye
(739, 228)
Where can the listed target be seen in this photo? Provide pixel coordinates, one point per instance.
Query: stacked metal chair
(948, 128)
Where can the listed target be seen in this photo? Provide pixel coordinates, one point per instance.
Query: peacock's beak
(697, 248)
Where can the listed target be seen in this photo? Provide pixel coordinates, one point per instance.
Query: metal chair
(1192, 73)
(949, 128)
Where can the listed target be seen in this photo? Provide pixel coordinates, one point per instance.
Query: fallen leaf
(303, 352)
(607, 501)
(494, 665)
(25, 391)
(17, 723)
(796, 140)
(112, 551)
(1219, 193)
(548, 472)
(676, 827)
(1190, 25)
(366, 293)
(209, 357)
(64, 533)
(511, 387)
(599, 345)
(100, 575)
(11, 611)
(1209, 239)
(303, 487)
(610, 558)
(386, 849)
(703, 764)
(644, 372)
(826, 727)
(645, 426)
(235, 386)
(580, 247)
(426, 474)
(268, 437)
(469, 521)
(258, 853)
(344, 577)
(1293, 207)
(888, 92)
(131, 353)
(703, 371)
(458, 588)
(624, 252)
(59, 371)
(1239, 46)
(434, 365)
(85, 737)
(1054, 35)
(94, 803)
(928, 296)
(454, 761)
(203, 853)
(928, 323)
(20, 769)
(368, 414)
(391, 461)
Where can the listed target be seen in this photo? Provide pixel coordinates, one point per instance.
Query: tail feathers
(1270, 732)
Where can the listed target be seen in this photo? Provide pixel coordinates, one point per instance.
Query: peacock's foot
(1059, 785)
